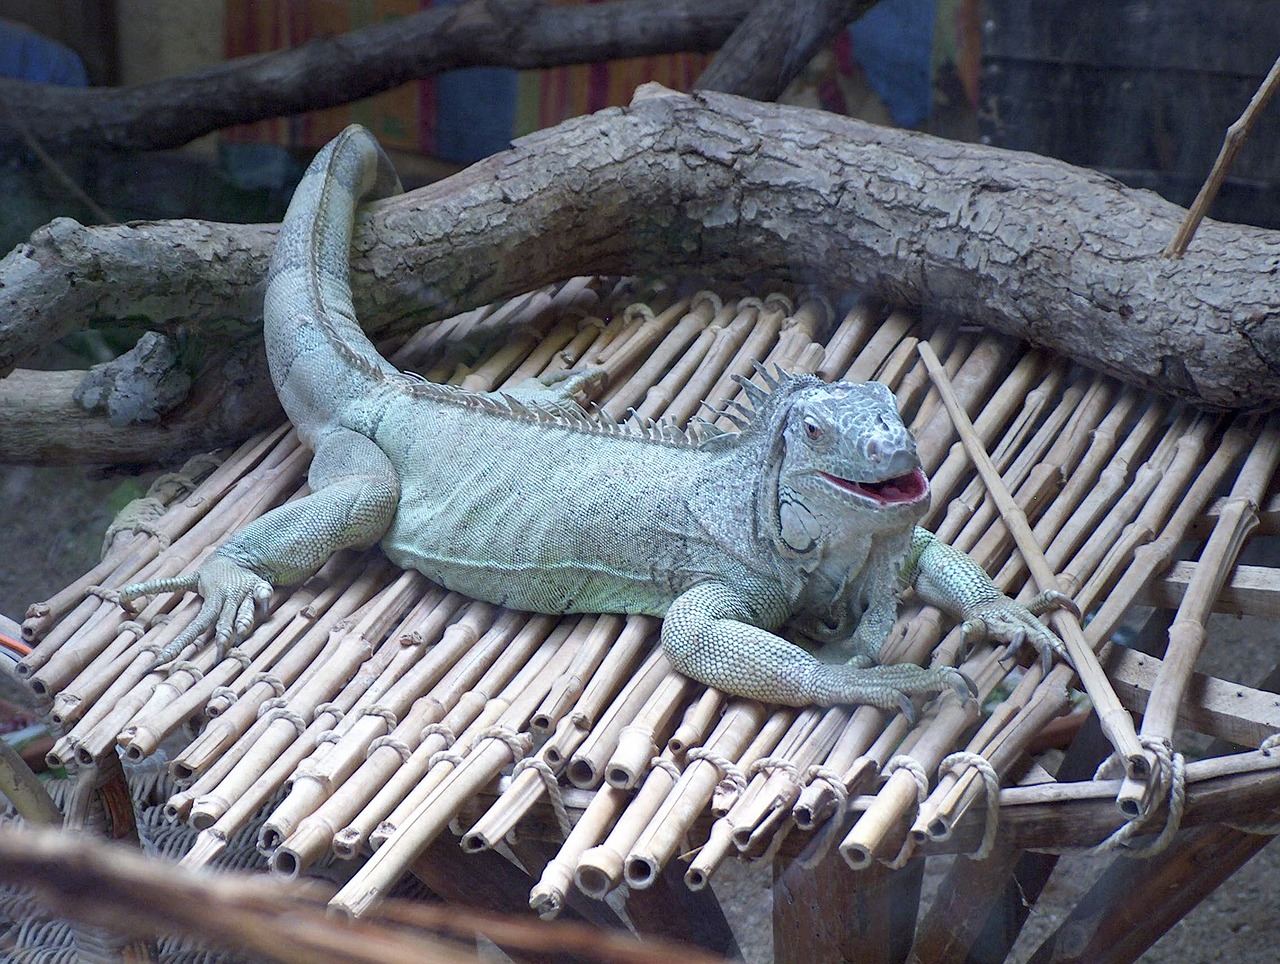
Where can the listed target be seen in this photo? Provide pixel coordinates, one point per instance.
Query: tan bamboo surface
(372, 715)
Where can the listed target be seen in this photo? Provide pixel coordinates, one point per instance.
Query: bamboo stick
(658, 841)
(1187, 634)
(848, 339)
(338, 684)
(429, 818)
(599, 634)
(527, 787)
(868, 836)
(510, 709)
(548, 896)
(636, 742)
(317, 645)
(146, 731)
(1154, 556)
(600, 868)
(343, 795)
(642, 390)
(1115, 720)
(68, 608)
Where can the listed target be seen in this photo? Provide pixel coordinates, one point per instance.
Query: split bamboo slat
(373, 712)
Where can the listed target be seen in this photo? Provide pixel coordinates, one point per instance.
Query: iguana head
(840, 458)
(846, 448)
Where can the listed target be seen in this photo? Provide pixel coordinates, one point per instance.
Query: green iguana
(803, 519)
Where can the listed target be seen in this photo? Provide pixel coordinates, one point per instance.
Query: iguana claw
(1007, 621)
(234, 598)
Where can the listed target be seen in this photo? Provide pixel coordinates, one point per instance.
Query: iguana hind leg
(709, 635)
(354, 499)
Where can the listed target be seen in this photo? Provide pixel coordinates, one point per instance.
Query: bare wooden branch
(774, 43)
(718, 186)
(337, 70)
(1237, 134)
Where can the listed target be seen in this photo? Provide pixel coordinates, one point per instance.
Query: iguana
(803, 519)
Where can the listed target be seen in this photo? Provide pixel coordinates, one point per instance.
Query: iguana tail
(320, 358)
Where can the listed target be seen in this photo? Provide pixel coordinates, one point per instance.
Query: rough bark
(722, 187)
(336, 70)
(752, 63)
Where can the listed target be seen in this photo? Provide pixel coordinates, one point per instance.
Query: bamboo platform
(375, 717)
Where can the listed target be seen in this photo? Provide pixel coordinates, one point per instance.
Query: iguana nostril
(873, 452)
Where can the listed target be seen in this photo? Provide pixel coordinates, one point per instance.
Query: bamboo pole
(657, 843)
(1115, 720)
(316, 646)
(1187, 634)
(527, 787)
(364, 652)
(429, 817)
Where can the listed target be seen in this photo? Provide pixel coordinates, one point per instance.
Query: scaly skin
(804, 522)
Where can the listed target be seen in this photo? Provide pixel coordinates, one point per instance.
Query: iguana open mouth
(901, 489)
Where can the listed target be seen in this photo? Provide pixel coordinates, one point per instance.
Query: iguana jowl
(804, 519)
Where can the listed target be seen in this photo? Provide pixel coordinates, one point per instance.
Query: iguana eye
(812, 429)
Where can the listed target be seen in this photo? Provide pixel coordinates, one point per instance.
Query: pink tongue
(904, 488)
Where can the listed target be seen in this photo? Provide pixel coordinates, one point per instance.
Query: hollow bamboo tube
(898, 797)
(316, 645)
(599, 869)
(355, 666)
(636, 350)
(1114, 719)
(1091, 488)
(527, 787)
(316, 773)
(954, 793)
(145, 732)
(848, 339)
(1180, 509)
(761, 337)
(780, 791)
(599, 635)
(67, 608)
(636, 742)
(493, 662)
(726, 345)
(548, 896)
(879, 347)
(768, 793)
(700, 311)
(1161, 485)
(341, 794)
(1236, 520)
(58, 671)
(763, 744)
(676, 360)
(472, 708)
(430, 817)
(657, 843)
(696, 721)
(510, 709)
(978, 385)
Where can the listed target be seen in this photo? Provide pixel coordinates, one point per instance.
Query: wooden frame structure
(372, 711)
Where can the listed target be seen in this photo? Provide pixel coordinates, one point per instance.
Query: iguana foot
(889, 686)
(233, 595)
(556, 391)
(1006, 621)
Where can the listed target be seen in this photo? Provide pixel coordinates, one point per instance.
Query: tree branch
(336, 70)
(721, 187)
(753, 63)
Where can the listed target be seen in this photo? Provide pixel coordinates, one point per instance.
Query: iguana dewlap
(804, 519)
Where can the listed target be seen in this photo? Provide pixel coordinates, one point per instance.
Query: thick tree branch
(336, 70)
(719, 186)
(754, 63)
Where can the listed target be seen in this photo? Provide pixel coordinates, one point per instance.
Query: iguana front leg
(354, 497)
(710, 634)
(947, 578)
